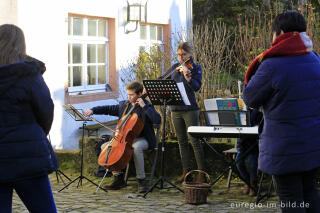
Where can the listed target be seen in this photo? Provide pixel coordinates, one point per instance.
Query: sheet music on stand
(78, 116)
(74, 113)
(158, 90)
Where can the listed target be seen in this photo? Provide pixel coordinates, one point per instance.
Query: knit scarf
(286, 44)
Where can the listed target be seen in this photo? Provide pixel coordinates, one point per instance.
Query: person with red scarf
(285, 81)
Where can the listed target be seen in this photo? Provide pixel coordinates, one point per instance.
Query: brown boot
(245, 190)
(142, 185)
(181, 178)
(201, 178)
(253, 187)
(117, 183)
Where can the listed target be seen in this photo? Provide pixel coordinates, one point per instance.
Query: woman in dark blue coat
(26, 114)
(285, 81)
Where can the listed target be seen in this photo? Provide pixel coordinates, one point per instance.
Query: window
(151, 33)
(151, 41)
(87, 54)
(143, 32)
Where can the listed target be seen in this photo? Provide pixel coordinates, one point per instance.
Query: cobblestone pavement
(85, 199)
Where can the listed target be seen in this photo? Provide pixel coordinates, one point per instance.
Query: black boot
(142, 185)
(117, 183)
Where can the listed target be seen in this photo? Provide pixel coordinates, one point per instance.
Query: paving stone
(84, 199)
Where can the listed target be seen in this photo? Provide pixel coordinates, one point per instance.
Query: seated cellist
(146, 139)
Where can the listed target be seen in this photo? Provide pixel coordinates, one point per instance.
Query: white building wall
(8, 14)
(45, 24)
(162, 11)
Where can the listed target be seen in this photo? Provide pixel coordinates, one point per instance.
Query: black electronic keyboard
(223, 131)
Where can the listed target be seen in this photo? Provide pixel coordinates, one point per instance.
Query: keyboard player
(247, 148)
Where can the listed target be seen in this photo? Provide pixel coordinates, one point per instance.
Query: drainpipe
(189, 20)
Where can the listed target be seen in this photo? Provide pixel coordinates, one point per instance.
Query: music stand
(77, 116)
(163, 92)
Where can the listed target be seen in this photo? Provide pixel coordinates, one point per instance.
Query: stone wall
(215, 164)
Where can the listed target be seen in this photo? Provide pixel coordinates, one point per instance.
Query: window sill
(83, 98)
(89, 90)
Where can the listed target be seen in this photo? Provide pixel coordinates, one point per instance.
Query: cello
(116, 155)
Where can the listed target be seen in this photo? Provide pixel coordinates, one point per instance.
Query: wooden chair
(152, 157)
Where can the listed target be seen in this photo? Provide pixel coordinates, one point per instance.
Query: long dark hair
(12, 44)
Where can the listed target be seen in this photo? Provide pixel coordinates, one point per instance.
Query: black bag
(104, 139)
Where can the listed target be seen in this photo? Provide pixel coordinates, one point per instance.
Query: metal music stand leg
(58, 175)
(80, 177)
(267, 194)
(162, 178)
(58, 171)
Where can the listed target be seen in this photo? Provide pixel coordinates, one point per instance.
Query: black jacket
(148, 114)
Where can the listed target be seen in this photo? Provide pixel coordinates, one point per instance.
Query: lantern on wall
(136, 12)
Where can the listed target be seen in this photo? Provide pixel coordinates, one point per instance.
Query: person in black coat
(26, 115)
(146, 139)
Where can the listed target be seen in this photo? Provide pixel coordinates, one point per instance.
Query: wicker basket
(196, 193)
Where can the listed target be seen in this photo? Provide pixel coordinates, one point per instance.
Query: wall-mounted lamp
(136, 12)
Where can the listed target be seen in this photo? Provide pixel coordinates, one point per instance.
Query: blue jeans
(298, 192)
(35, 193)
(252, 164)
